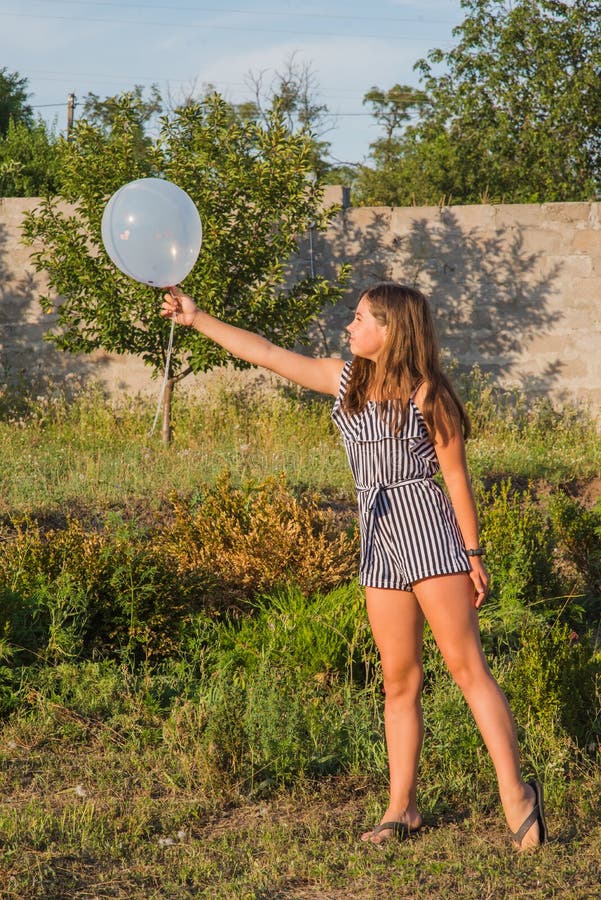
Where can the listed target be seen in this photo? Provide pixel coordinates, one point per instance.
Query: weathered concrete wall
(515, 288)
(24, 354)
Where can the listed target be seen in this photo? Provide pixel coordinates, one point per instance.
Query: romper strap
(415, 390)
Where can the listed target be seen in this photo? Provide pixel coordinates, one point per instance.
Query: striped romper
(407, 524)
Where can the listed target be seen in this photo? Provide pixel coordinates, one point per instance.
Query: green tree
(28, 165)
(28, 160)
(294, 91)
(392, 110)
(514, 115)
(101, 113)
(13, 100)
(249, 182)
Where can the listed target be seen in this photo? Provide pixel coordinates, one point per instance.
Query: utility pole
(70, 111)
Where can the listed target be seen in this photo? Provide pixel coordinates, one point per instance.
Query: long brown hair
(410, 357)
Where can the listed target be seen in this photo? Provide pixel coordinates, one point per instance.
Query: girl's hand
(479, 576)
(179, 305)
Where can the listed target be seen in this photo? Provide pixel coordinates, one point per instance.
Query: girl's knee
(469, 673)
(403, 685)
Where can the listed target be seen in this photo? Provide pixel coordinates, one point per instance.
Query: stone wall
(515, 288)
(24, 354)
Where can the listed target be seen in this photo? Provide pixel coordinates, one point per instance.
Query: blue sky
(106, 47)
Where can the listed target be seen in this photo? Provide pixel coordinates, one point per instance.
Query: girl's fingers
(171, 305)
(480, 589)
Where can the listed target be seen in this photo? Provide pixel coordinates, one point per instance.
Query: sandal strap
(395, 827)
(528, 822)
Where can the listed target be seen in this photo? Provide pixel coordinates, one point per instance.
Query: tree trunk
(166, 430)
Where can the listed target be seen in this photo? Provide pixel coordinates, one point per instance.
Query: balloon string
(165, 379)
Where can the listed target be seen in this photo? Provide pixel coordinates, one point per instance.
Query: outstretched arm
(322, 374)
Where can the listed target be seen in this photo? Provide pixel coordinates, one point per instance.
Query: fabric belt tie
(372, 494)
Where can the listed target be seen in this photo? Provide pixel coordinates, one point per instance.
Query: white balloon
(152, 231)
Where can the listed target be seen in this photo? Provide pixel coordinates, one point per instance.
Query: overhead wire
(212, 27)
(224, 27)
(313, 15)
(256, 12)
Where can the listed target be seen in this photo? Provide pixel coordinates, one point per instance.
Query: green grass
(92, 809)
(245, 760)
(529, 440)
(92, 453)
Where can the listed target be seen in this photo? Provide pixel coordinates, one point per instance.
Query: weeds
(126, 589)
(191, 697)
(79, 451)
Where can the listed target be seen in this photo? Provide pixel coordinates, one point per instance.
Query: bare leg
(397, 624)
(447, 602)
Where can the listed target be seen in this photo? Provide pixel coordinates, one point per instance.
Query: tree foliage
(28, 160)
(294, 90)
(392, 110)
(27, 145)
(102, 113)
(249, 182)
(13, 100)
(514, 115)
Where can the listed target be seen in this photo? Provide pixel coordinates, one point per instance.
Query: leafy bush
(124, 588)
(544, 557)
(520, 543)
(577, 533)
(253, 539)
(553, 680)
(82, 593)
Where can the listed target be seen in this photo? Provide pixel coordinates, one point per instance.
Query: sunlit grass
(96, 452)
(93, 452)
(186, 776)
(106, 794)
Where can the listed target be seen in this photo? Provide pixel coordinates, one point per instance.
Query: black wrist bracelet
(477, 551)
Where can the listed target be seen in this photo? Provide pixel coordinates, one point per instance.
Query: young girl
(401, 421)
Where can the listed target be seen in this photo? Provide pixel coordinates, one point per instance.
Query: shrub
(252, 539)
(125, 589)
(577, 555)
(544, 558)
(520, 544)
(85, 593)
(553, 680)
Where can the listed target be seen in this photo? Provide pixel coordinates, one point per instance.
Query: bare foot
(406, 824)
(532, 838)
